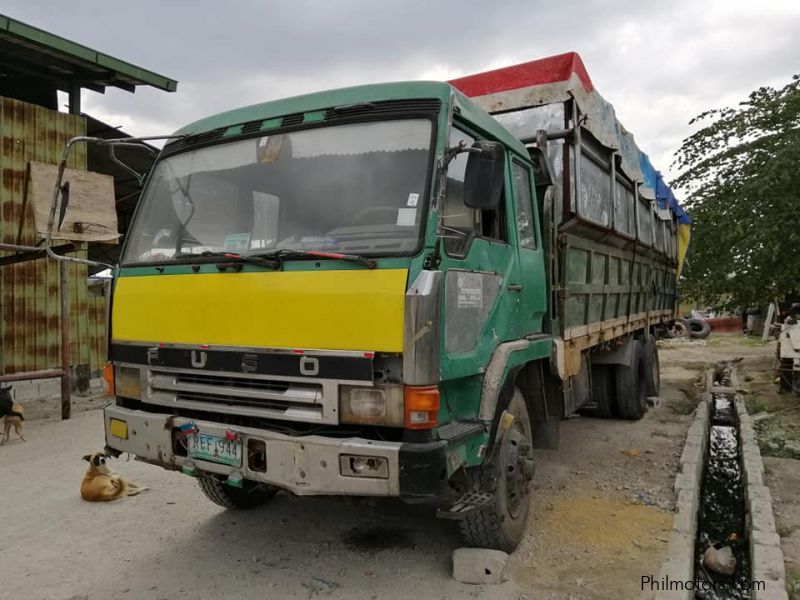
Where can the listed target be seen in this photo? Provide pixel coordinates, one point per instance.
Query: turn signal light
(108, 376)
(421, 407)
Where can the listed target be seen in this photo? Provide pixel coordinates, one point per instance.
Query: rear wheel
(603, 392)
(508, 475)
(249, 495)
(652, 367)
(630, 383)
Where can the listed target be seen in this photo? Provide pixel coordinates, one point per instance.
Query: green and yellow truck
(386, 290)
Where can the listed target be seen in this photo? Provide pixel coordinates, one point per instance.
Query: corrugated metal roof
(28, 51)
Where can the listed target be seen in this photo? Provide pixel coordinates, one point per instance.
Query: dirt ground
(602, 511)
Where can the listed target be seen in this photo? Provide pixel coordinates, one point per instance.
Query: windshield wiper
(291, 253)
(262, 261)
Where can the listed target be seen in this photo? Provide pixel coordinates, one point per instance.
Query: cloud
(660, 64)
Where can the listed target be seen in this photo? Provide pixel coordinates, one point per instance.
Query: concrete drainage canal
(723, 544)
(722, 555)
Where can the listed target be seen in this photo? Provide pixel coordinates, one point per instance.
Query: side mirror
(483, 179)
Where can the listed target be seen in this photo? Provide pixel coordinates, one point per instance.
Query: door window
(462, 224)
(523, 201)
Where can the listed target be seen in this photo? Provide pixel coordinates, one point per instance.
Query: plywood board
(91, 214)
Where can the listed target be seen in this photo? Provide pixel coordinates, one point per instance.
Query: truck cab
(328, 295)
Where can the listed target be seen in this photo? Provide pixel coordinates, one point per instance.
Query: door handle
(515, 287)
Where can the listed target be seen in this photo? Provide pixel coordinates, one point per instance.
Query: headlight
(380, 405)
(128, 382)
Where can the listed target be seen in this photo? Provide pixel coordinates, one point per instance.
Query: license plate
(215, 449)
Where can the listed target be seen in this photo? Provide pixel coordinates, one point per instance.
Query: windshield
(355, 188)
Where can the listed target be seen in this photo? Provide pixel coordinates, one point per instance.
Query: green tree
(741, 172)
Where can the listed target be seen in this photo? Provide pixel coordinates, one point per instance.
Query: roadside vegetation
(740, 172)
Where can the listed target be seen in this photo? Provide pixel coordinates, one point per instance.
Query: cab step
(466, 505)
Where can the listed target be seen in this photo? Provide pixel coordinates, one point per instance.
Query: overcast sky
(659, 63)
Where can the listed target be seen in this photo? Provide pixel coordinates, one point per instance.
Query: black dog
(7, 405)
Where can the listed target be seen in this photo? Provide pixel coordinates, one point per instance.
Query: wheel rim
(517, 480)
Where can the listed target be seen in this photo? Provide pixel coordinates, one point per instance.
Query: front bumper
(307, 465)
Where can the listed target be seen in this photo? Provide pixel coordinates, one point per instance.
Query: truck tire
(507, 477)
(680, 329)
(630, 384)
(248, 496)
(603, 392)
(652, 367)
(699, 329)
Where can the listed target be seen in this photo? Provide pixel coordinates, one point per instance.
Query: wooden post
(66, 405)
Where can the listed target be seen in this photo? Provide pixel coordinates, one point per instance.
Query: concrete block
(764, 538)
(478, 565)
(767, 562)
(49, 388)
(24, 391)
(685, 481)
(692, 451)
(759, 492)
(696, 430)
(753, 475)
(693, 470)
(773, 590)
(761, 515)
(685, 520)
(722, 389)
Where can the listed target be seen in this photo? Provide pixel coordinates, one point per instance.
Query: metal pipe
(130, 142)
(66, 405)
(27, 375)
(18, 247)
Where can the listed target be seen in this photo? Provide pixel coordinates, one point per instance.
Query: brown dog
(14, 419)
(101, 484)
(13, 414)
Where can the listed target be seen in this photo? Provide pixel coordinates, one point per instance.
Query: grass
(753, 405)
(754, 341)
(793, 584)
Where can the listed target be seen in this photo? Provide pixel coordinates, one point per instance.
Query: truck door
(481, 273)
(533, 295)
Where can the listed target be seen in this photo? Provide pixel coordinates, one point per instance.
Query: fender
(621, 355)
(501, 376)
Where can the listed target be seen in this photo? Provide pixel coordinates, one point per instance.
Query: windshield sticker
(406, 217)
(413, 199)
(269, 148)
(470, 290)
(237, 242)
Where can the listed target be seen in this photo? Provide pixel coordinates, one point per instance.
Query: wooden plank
(91, 215)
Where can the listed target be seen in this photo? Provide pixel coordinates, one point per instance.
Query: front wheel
(507, 477)
(248, 496)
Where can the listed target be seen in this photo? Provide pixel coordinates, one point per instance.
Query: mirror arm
(57, 188)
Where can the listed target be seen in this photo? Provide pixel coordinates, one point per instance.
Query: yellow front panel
(330, 310)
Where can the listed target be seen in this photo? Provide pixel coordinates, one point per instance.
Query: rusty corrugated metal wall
(30, 329)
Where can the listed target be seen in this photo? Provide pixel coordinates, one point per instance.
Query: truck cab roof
(320, 101)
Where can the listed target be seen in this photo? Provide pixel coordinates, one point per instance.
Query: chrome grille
(242, 394)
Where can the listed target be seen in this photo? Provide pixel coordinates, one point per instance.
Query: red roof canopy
(537, 72)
